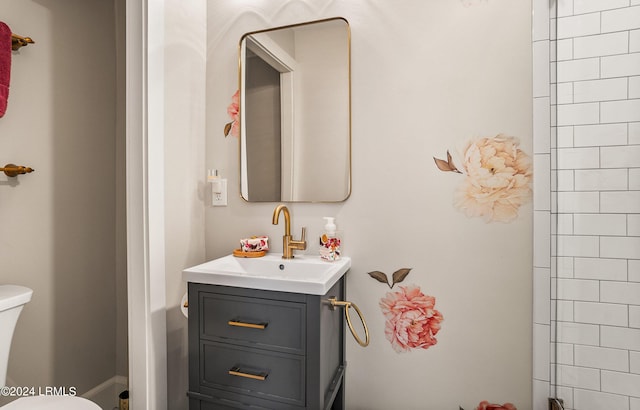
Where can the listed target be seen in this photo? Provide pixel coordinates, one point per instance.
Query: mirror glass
(295, 113)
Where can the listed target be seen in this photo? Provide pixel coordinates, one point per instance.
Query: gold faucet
(288, 243)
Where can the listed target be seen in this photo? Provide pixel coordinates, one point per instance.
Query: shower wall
(591, 109)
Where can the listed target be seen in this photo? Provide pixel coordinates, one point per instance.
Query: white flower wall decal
(498, 178)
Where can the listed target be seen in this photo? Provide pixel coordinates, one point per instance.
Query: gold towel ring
(347, 305)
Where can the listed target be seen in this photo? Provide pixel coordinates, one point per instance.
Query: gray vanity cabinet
(257, 349)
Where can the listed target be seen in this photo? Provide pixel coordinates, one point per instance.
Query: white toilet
(12, 299)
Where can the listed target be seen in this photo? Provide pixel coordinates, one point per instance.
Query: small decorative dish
(239, 253)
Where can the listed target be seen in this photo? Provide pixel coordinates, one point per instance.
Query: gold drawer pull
(236, 371)
(247, 324)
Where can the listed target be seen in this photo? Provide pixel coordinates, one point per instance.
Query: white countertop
(303, 274)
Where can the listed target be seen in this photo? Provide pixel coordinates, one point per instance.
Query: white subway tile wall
(594, 400)
(620, 202)
(600, 268)
(635, 362)
(600, 135)
(587, 262)
(600, 45)
(634, 319)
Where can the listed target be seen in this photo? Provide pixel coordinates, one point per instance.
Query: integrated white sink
(302, 274)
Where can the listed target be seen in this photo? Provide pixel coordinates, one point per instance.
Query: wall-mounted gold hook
(19, 41)
(12, 170)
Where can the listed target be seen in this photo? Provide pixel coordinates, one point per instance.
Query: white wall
(426, 77)
(593, 159)
(184, 99)
(60, 225)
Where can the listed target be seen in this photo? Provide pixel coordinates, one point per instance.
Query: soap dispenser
(329, 241)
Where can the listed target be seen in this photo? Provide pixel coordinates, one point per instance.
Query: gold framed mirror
(295, 113)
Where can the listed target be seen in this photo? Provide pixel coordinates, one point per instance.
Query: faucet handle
(302, 243)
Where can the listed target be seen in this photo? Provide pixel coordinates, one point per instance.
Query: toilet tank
(12, 299)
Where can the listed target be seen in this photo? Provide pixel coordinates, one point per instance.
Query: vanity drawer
(263, 374)
(263, 323)
(226, 404)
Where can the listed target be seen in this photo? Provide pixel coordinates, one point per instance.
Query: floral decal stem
(397, 277)
(446, 165)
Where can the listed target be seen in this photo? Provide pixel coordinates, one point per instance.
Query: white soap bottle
(329, 241)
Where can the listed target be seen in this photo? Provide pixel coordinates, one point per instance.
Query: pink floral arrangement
(412, 321)
(233, 110)
(499, 177)
(485, 405)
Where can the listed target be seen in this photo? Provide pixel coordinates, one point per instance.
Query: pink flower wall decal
(233, 110)
(498, 178)
(485, 405)
(412, 321)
